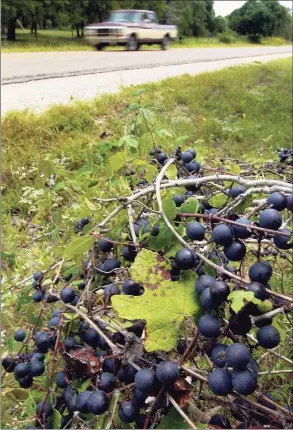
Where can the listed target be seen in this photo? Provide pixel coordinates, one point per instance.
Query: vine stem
(236, 395)
(190, 346)
(186, 245)
(29, 278)
(52, 367)
(113, 347)
(131, 222)
(266, 185)
(270, 314)
(275, 372)
(116, 397)
(181, 412)
(271, 351)
(227, 221)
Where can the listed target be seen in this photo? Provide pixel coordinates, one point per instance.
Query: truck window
(152, 17)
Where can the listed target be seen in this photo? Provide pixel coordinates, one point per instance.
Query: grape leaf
(164, 304)
(173, 420)
(218, 200)
(79, 246)
(171, 172)
(169, 209)
(56, 419)
(165, 240)
(190, 206)
(239, 299)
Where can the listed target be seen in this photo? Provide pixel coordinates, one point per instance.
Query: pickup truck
(131, 28)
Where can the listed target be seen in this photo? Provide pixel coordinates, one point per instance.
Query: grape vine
(170, 310)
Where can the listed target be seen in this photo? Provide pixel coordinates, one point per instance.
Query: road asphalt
(38, 79)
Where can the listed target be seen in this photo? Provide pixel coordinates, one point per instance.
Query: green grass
(62, 40)
(243, 112)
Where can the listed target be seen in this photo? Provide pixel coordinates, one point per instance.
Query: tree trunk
(82, 34)
(44, 23)
(77, 30)
(11, 29)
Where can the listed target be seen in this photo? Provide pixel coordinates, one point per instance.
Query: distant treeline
(255, 19)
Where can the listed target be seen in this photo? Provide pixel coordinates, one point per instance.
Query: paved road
(36, 80)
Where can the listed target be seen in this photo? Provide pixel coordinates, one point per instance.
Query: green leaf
(171, 172)
(79, 246)
(180, 139)
(84, 170)
(190, 206)
(164, 241)
(218, 200)
(117, 160)
(151, 172)
(164, 133)
(57, 217)
(169, 208)
(173, 420)
(280, 329)
(235, 169)
(60, 186)
(56, 419)
(130, 108)
(164, 304)
(239, 299)
(84, 385)
(90, 205)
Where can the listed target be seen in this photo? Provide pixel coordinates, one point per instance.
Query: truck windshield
(121, 16)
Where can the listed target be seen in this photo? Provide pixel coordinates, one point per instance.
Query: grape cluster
(222, 332)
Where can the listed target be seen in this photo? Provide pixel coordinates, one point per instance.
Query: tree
(259, 18)
(11, 11)
(220, 25)
(210, 15)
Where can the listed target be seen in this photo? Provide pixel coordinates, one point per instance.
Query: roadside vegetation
(64, 40)
(57, 165)
(33, 25)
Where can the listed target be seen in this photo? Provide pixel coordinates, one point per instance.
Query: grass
(62, 40)
(242, 112)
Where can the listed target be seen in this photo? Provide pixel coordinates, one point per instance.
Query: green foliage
(164, 304)
(173, 420)
(260, 19)
(190, 206)
(239, 299)
(79, 246)
(227, 37)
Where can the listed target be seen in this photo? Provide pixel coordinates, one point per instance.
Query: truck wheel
(165, 43)
(99, 47)
(132, 44)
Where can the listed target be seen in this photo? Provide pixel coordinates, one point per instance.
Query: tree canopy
(260, 18)
(193, 17)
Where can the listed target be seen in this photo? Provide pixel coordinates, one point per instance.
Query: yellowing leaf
(164, 304)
